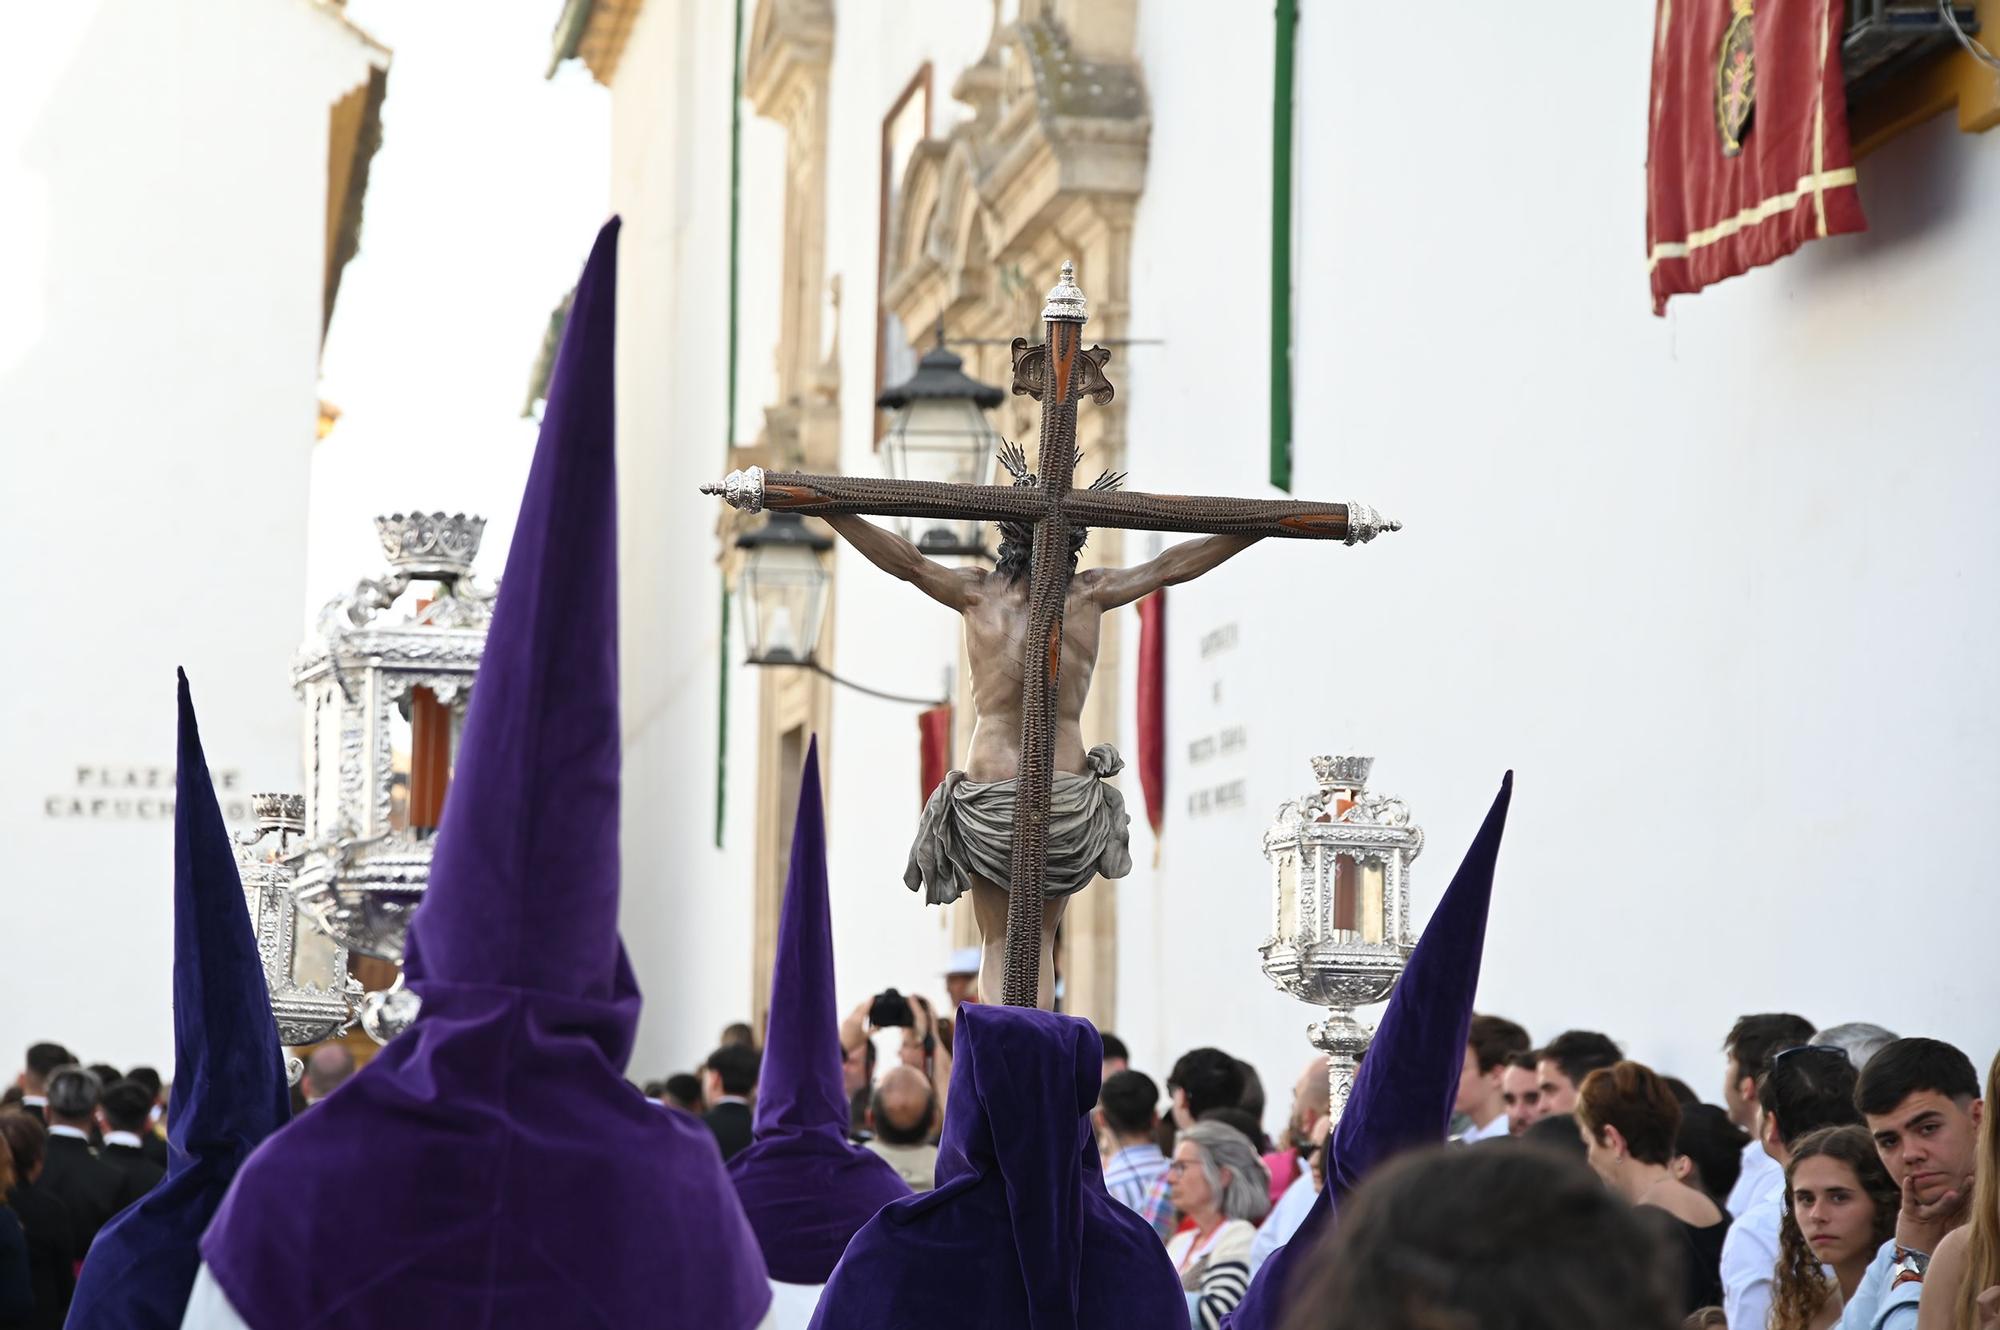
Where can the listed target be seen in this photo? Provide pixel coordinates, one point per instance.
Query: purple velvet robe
(1020, 1233)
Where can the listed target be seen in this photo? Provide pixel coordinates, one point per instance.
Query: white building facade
(183, 185)
(1720, 587)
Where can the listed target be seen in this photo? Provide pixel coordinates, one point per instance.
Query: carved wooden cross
(1056, 374)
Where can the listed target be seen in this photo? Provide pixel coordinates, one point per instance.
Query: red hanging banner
(933, 750)
(1153, 706)
(1748, 156)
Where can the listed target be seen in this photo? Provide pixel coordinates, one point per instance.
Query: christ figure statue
(965, 839)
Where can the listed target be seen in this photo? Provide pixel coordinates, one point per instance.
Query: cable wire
(1970, 43)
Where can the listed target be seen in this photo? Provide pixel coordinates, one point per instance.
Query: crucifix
(1028, 604)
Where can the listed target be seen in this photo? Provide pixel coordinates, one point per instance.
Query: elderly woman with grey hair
(1221, 1186)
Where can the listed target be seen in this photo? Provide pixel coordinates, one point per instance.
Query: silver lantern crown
(1340, 897)
(385, 681)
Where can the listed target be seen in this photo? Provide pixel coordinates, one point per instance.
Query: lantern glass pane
(1374, 886)
(947, 440)
(1346, 915)
(784, 594)
(313, 957)
(1288, 895)
(324, 792)
(399, 767)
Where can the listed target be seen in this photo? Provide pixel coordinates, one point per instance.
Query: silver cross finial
(1066, 303)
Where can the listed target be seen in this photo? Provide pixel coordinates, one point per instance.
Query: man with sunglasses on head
(1920, 1098)
(1801, 1090)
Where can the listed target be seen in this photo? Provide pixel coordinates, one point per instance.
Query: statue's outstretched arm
(897, 557)
(1112, 587)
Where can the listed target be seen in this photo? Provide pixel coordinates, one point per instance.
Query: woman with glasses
(1840, 1207)
(1628, 1119)
(1219, 1184)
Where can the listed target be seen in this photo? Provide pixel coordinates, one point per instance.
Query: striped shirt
(1216, 1274)
(1131, 1172)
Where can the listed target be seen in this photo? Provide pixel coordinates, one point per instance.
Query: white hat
(965, 960)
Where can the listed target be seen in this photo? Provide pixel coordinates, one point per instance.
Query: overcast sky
(481, 207)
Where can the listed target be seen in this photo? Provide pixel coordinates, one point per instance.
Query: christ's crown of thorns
(1016, 462)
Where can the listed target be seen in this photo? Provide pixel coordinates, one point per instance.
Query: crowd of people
(1832, 1186)
(1847, 1179)
(82, 1143)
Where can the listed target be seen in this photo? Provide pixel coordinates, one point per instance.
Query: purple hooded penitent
(805, 1189)
(1020, 1233)
(1403, 1094)
(491, 1167)
(229, 1072)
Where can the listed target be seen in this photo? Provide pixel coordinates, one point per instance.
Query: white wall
(685, 906)
(162, 251)
(1719, 587)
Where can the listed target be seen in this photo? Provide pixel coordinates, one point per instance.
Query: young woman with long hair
(1840, 1207)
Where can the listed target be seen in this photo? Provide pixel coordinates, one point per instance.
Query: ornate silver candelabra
(1340, 884)
(385, 682)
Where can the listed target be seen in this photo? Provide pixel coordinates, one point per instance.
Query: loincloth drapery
(968, 828)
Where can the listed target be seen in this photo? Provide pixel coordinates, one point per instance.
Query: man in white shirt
(1747, 1050)
(1920, 1098)
(1491, 1042)
(1803, 1090)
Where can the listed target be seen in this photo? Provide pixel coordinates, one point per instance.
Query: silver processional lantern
(1340, 887)
(312, 995)
(385, 682)
(940, 433)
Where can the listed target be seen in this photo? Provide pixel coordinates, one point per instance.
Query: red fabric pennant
(1153, 706)
(933, 750)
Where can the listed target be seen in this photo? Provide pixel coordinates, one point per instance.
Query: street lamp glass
(943, 439)
(939, 432)
(783, 591)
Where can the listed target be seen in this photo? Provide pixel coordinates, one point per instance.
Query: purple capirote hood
(491, 1167)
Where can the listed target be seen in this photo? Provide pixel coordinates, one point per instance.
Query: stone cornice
(790, 47)
(603, 42)
(1050, 132)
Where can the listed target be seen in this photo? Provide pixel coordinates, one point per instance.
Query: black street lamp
(782, 587)
(940, 432)
(783, 590)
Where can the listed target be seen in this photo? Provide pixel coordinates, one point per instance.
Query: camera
(891, 1008)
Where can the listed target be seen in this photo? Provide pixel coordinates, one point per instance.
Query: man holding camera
(926, 1046)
